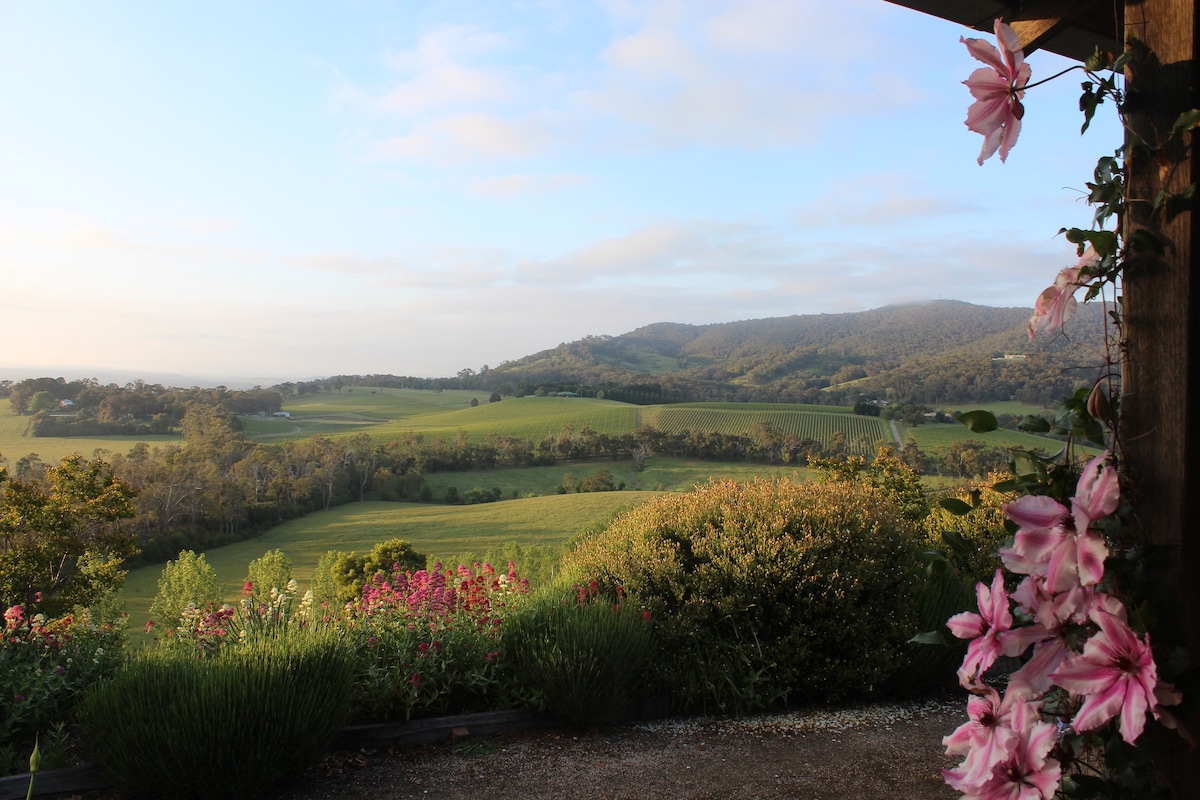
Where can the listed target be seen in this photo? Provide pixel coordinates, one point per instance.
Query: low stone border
(86, 777)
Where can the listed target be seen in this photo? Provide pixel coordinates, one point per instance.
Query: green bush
(171, 725)
(767, 591)
(583, 656)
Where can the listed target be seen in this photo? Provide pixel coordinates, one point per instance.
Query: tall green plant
(234, 724)
(584, 656)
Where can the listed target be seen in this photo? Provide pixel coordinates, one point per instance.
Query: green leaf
(955, 506)
(957, 543)
(928, 637)
(1187, 121)
(1034, 424)
(1026, 463)
(979, 421)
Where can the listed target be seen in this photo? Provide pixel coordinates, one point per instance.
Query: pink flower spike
(997, 89)
(1115, 675)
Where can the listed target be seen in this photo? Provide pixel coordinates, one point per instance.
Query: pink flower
(987, 738)
(990, 631)
(1115, 674)
(1058, 542)
(1025, 772)
(997, 89)
(1056, 304)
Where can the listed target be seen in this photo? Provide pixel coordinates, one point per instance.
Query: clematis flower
(1056, 304)
(987, 738)
(990, 631)
(1026, 773)
(1115, 675)
(1050, 534)
(997, 89)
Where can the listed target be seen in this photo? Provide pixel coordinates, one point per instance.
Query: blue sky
(282, 190)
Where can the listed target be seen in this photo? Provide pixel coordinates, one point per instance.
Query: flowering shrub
(44, 666)
(429, 641)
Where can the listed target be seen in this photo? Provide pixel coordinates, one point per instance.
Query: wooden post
(1162, 321)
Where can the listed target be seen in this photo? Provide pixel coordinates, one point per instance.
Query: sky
(252, 192)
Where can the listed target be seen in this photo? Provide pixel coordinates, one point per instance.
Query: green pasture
(15, 444)
(660, 474)
(933, 435)
(532, 418)
(861, 432)
(439, 531)
(999, 407)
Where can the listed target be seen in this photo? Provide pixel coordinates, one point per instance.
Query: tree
(42, 401)
(62, 542)
(185, 581)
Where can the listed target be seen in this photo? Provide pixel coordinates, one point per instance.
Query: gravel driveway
(868, 751)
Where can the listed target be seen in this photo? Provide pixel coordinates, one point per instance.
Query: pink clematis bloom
(997, 89)
(987, 738)
(1115, 675)
(990, 631)
(1061, 539)
(1026, 773)
(1056, 304)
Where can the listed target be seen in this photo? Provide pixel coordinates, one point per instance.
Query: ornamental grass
(174, 724)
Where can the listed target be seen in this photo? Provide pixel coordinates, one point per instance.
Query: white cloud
(514, 185)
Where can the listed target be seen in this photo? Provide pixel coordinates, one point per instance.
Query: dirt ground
(864, 752)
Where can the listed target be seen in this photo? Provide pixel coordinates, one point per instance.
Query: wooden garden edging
(86, 777)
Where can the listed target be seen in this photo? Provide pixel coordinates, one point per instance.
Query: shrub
(44, 666)
(171, 725)
(584, 656)
(766, 591)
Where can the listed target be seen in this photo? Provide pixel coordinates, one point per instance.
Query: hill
(933, 353)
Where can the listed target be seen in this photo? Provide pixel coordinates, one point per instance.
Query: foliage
(168, 724)
(186, 581)
(44, 666)
(584, 656)
(61, 540)
(765, 591)
(349, 571)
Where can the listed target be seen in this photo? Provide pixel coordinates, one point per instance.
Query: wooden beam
(1037, 23)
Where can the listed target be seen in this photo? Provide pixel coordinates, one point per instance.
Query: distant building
(284, 414)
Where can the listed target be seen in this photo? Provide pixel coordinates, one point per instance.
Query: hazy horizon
(280, 190)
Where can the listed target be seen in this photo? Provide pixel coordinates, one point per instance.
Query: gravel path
(863, 752)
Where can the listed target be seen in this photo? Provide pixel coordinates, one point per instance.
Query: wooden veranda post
(1162, 322)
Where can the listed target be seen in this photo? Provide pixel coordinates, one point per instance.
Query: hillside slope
(929, 352)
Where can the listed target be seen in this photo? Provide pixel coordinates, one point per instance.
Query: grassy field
(15, 444)
(386, 414)
(660, 474)
(439, 531)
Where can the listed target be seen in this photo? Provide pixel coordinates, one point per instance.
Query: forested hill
(936, 352)
(931, 353)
